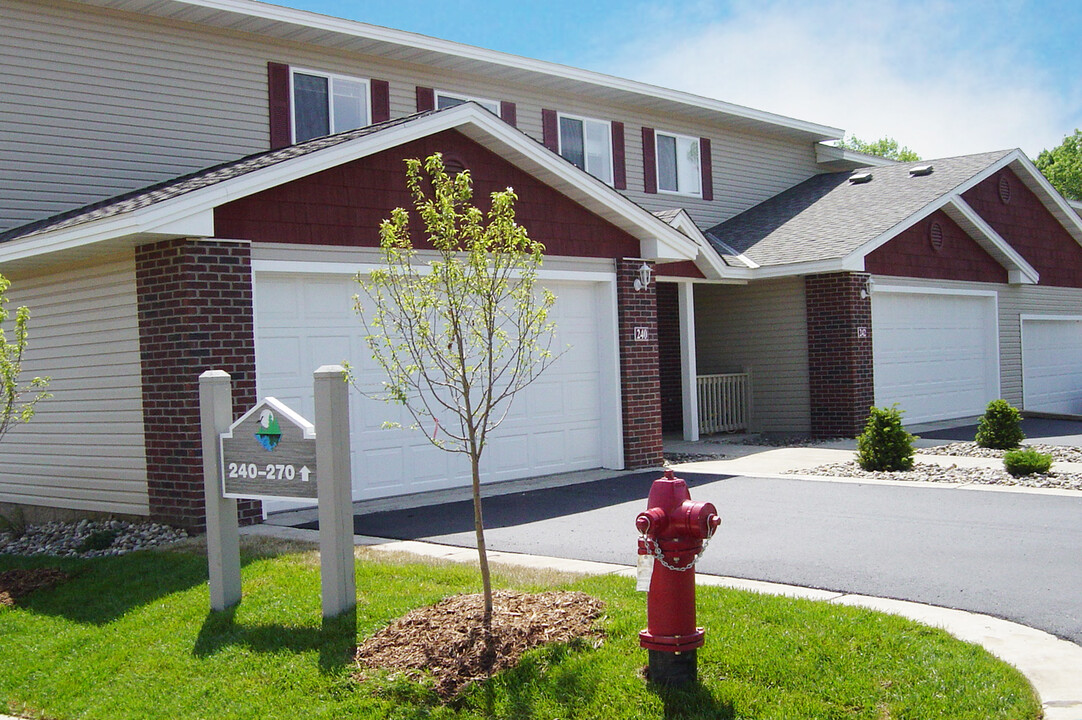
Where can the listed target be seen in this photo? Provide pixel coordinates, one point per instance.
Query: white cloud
(924, 73)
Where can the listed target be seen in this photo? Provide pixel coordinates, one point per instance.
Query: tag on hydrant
(645, 571)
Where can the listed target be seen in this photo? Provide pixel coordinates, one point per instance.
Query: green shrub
(98, 540)
(1000, 426)
(1027, 462)
(885, 444)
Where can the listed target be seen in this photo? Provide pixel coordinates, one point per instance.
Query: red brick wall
(839, 358)
(344, 205)
(1025, 223)
(912, 254)
(195, 314)
(641, 391)
(668, 340)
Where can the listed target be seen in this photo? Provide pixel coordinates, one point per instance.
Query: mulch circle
(446, 640)
(15, 584)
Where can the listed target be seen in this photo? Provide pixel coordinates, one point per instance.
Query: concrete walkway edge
(1052, 666)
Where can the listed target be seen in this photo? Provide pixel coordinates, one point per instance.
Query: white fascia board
(826, 154)
(194, 210)
(707, 259)
(1036, 181)
(401, 38)
(814, 267)
(992, 242)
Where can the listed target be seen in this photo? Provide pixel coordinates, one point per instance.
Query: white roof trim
(832, 154)
(1020, 271)
(707, 260)
(363, 31)
(191, 214)
(751, 264)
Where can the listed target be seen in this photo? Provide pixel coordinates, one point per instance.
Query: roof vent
(920, 170)
(860, 178)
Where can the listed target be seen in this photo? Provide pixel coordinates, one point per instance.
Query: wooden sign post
(273, 452)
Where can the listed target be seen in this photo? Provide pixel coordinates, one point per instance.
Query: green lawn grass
(131, 637)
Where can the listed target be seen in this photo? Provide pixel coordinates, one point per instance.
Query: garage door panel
(304, 321)
(1052, 365)
(936, 356)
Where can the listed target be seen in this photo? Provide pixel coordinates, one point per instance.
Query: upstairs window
(678, 164)
(446, 100)
(587, 144)
(324, 104)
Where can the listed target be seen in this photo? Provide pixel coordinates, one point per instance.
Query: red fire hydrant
(673, 531)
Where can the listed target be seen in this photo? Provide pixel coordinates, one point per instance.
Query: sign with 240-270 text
(270, 452)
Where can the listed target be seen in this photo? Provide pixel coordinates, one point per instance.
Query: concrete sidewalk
(1053, 666)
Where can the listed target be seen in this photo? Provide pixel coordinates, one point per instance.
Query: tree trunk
(482, 552)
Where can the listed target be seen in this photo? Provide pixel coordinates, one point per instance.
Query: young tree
(1062, 165)
(17, 400)
(886, 147)
(460, 330)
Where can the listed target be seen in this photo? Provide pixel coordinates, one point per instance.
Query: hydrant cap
(652, 522)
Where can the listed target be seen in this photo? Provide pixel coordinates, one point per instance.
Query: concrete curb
(1053, 666)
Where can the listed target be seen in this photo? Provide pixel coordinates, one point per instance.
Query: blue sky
(944, 77)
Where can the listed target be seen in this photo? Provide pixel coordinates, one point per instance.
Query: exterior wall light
(643, 280)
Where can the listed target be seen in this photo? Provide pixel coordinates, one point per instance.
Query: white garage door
(1052, 365)
(936, 355)
(307, 320)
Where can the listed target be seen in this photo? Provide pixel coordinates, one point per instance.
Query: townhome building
(193, 184)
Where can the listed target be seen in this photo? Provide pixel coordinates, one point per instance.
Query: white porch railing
(724, 402)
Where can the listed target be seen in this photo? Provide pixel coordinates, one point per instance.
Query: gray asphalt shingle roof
(206, 177)
(827, 217)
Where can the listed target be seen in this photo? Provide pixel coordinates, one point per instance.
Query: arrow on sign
(305, 473)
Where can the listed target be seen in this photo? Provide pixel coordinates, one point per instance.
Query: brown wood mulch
(15, 584)
(446, 641)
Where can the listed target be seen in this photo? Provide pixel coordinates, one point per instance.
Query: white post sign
(273, 452)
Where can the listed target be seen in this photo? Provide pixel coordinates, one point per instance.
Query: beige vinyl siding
(84, 448)
(85, 121)
(761, 327)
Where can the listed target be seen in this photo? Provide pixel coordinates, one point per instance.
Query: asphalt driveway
(1013, 555)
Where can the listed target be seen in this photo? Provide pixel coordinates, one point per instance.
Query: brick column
(640, 386)
(195, 314)
(839, 353)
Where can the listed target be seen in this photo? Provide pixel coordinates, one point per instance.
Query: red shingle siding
(195, 314)
(685, 268)
(344, 205)
(668, 339)
(911, 254)
(839, 359)
(641, 390)
(1028, 226)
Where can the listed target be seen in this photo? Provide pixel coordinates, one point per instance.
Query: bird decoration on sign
(269, 433)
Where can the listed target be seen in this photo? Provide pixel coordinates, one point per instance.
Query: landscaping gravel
(1062, 453)
(923, 472)
(87, 538)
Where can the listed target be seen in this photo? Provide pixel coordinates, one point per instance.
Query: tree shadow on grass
(335, 639)
(102, 590)
(692, 702)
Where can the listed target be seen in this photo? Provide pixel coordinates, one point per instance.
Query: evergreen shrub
(1000, 426)
(885, 444)
(1027, 462)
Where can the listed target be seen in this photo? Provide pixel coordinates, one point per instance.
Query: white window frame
(331, 77)
(585, 152)
(677, 137)
(487, 103)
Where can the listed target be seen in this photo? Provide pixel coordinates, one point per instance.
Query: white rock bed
(924, 472)
(67, 539)
(1062, 453)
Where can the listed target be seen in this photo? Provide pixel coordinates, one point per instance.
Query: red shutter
(381, 101)
(550, 130)
(649, 161)
(426, 99)
(509, 113)
(281, 129)
(707, 168)
(619, 168)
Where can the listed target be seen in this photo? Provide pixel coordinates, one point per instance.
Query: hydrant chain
(660, 556)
